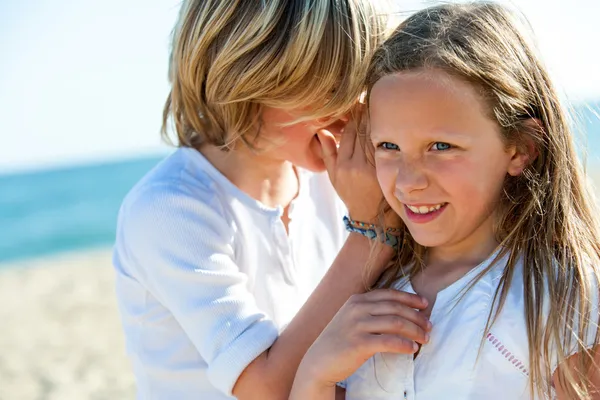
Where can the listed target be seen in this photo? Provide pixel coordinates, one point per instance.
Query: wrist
(376, 255)
(303, 391)
(387, 236)
(310, 383)
(366, 218)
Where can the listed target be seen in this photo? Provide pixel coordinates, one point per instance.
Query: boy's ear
(525, 152)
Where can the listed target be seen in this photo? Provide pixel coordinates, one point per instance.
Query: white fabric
(447, 367)
(206, 276)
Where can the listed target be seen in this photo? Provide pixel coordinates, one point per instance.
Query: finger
(336, 128)
(346, 117)
(370, 151)
(348, 141)
(357, 110)
(359, 144)
(394, 325)
(365, 144)
(329, 151)
(409, 299)
(400, 310)
(359, 151)
(362, 99)
(387, 343)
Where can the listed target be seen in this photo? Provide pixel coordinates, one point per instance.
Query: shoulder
(177, 175)
(177, 188)
(174, 206)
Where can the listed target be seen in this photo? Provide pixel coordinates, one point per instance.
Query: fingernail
(415, 346)
(425, 302)
(429, 325)
(427, 337)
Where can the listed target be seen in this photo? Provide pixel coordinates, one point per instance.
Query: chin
(430, 240)
(425, 241)
(427, 238)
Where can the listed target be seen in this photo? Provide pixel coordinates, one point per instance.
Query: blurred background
(82, 85)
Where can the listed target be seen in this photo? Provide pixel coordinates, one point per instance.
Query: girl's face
(440, 160)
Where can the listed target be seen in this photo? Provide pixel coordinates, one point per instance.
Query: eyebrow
(432, 135)
(452, 134)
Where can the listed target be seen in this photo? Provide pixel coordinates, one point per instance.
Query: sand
(60, 331)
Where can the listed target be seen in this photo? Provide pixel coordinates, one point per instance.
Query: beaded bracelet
(373, 232)
(363, 225)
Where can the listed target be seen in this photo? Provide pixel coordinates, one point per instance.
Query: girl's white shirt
(451, 365)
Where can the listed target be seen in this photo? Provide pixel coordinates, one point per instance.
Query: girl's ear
(525, 152)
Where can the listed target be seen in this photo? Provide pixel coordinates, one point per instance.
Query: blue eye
(388, 146)
(441, 146)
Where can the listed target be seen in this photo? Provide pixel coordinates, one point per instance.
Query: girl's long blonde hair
(546, 214)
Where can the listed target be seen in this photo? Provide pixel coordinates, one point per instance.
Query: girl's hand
(381, 321)
(352, 175)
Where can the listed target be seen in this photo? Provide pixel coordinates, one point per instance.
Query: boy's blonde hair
(545, 215)
(230, 58)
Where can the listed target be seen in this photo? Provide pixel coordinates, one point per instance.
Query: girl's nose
(409, 178)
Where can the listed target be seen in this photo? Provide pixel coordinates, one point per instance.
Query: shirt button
(405, 394)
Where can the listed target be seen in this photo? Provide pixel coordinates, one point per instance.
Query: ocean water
(66, 209)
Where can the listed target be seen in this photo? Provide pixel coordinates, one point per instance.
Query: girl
(474, 153)
(221, 244)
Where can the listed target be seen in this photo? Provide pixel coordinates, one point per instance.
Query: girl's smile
(423, 213)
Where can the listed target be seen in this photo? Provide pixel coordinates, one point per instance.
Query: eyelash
(444, 143)
(383, 145)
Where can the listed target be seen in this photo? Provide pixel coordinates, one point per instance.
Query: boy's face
(296, 143)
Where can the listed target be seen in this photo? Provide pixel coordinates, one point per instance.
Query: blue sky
(86, 80)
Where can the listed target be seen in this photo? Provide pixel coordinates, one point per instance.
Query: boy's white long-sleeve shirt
(206, 276)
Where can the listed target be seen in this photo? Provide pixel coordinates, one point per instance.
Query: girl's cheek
(386, 173)
(451, 170)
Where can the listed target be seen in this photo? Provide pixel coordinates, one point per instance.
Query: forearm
(301, 392)
(305, 388)
(272, 374)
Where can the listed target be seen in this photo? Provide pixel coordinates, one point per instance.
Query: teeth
(424, 209)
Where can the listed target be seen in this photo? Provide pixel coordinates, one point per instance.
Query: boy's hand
(352, 175)
(383, 320)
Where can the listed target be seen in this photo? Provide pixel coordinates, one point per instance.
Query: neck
(272, 182)
(467, 253)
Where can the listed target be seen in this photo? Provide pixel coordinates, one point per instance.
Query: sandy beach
(61, 336)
